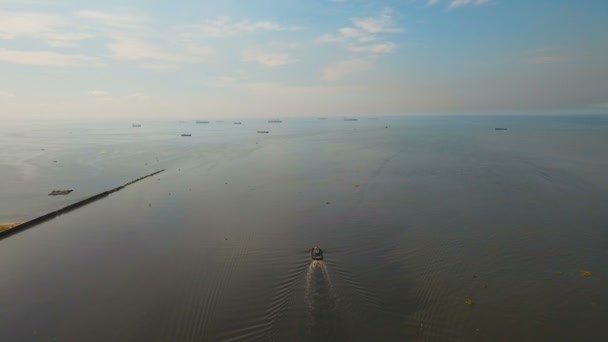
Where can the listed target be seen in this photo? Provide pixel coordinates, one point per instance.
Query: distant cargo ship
(351, 119)
(500, 129)
(274, 121)
(201, 122)
(135, 125)
(263, 132)
(237, 123)
(186, 135)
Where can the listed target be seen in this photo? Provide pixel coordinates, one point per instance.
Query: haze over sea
(414, 214)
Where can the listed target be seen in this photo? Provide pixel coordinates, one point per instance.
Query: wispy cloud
(363, 29)
(226, 26)
(344, 68)
(119, 20)
(269, 59)
(198, 50)
(28, 24)
(47, 58)
(54, 30)
(133, 49)
(382, 23)
(225, 81)
(138, 96)
(6, 94)
(329, 38)
(458, 3)
(159, 67)
(375, 49)
(66, 39)
(97, 93)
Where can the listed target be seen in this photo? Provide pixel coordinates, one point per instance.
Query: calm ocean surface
(413, 220)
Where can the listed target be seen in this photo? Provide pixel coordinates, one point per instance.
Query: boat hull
(316, 256)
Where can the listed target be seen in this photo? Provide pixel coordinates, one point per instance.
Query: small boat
(135, 125)
(263, 132)
(237, 123)
(316, 253)
(201, 122)
(500, 129)
(351, 119)
(186, 135)
(60, 192)
(274, 121)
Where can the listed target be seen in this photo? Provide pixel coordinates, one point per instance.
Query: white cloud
(198, 50)
(225, 81)
(225, 26)
(28, 24)
(377, 48)
(329, 38)
(111, 19)
(159, 67)
(98, 93)
(6, 94)
(133, 49)
(378, 24)
(47, 58)
(344, 68)
(349, 32)
(364, 30)
(460, 3)
(66, 39)
(55, 30)
(138, 96)
(269, 59)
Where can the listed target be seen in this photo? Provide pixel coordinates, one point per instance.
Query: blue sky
(196, 59)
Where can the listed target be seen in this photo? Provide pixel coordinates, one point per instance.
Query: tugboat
(316, 253)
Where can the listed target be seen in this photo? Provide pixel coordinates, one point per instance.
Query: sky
(285, 58)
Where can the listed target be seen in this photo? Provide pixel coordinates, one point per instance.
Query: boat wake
(321, 300)
(318, 283)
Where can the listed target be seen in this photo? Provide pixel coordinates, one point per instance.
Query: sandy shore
(8, 225)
